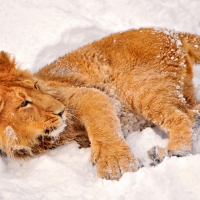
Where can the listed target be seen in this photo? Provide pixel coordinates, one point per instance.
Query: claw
(157, 154)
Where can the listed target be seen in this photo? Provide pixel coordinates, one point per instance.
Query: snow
(37, 32)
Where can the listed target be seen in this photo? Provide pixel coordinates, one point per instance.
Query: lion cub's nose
(61, 113)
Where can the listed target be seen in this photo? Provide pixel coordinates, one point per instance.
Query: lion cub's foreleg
(108, 147)
(96, 112)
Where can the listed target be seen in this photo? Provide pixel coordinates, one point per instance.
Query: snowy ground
(37, 32)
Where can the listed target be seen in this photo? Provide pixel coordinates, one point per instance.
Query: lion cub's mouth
(48, 131)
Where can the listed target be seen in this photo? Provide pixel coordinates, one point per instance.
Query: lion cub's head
(26, 113)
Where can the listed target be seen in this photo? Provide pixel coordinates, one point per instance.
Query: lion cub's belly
(130, 121)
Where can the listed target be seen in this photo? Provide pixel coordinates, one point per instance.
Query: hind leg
(178, 125)
(162, 103)
(167, 109)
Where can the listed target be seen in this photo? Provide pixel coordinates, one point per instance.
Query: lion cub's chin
(59, 130)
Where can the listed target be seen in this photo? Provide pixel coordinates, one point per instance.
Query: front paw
(113, 160)
(158, 154)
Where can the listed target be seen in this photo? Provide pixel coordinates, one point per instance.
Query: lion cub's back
(140, 47)
(103, 60)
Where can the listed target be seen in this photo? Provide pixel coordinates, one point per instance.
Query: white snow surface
(37, 32)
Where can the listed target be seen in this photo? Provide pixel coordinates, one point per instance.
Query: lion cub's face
(25, 112)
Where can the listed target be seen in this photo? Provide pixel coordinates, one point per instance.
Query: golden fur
(147, 72)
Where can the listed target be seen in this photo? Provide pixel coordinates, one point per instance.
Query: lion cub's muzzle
(56, 123)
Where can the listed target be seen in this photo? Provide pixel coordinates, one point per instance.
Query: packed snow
(36, 33)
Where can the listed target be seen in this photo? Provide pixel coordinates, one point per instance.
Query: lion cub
(149, 71)
(88, 95)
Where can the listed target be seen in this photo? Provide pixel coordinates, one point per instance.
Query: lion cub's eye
(25, 103)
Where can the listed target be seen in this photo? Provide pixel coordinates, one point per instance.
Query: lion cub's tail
(191, 44)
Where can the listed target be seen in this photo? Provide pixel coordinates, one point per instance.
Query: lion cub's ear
(6, 63)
